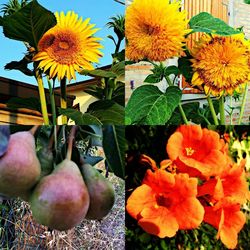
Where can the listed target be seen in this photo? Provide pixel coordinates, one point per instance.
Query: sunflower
(155, 29)
(221, 64)
(68, 47)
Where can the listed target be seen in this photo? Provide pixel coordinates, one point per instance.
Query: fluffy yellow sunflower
(68, 47)
(155, 29)
(221, 64)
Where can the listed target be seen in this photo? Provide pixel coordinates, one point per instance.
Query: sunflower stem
(243, 104)
(63, 99)
(211, 107)
(52, 102)
(182, 112)
(110, 92)
(42, 97)
(222, 110)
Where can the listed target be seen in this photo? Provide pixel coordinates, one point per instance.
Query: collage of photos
(125, 124)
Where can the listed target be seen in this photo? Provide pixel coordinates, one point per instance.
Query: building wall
(241, 15)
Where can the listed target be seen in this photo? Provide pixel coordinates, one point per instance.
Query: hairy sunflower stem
(110, 92)
(63, 99)
(222, 110)
(211, 107)
(52, 102)
(182, 112)
(42, 97)
(243, 104)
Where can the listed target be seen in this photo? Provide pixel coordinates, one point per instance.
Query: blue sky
(98, 10)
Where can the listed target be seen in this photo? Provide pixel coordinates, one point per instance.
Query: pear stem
(53, 137)
(34, 129)
(70, 141)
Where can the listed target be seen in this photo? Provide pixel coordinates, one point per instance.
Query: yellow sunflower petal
(221, 64)
(56, 53)
(155, 29)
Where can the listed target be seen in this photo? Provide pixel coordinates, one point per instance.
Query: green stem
(110, 92)
(182, 112)
(206, 120)
(106, 90)
(183, 115)
(243, 104)
(70, 141)
(118, 45)
(52, 102)
(211, 107)
(42, 97)
(63, 99)
(222, 110)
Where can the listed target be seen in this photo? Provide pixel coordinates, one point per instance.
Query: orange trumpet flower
(165, 203)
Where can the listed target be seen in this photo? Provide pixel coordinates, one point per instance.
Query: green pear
(101, 192)
(19, 166)
(60, 200)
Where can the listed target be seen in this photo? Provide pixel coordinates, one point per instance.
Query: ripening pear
(101, 192)
(19, 166)
(60, 200)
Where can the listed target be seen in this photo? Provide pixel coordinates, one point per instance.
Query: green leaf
(29, 23)
(148, 105)
(205, 22)
(194, 113)
(191, 110)
(1, 21)
(119, 94)
(160, 71)
(114, 148)
(107, 111)
(153, 78)
(119, 69)
(4, 139)
(99, 73)
(95, 91)
(79, 118)
(120, 56)
(90, 133)
(21, 65)
(128, 121)
(185, 67)
(171, 70)
(92, 160)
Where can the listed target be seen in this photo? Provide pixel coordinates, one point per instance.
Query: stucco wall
(242, 16)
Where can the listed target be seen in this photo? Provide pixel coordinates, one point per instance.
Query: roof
(11, 88)
(82, 84)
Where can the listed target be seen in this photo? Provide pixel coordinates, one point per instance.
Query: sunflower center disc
(63, 45)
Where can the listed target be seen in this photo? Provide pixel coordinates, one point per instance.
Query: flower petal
(142, 197)
(158, 221)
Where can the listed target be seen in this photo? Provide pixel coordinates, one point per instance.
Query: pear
(60, 200)
(19, 166)
(101, 192)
